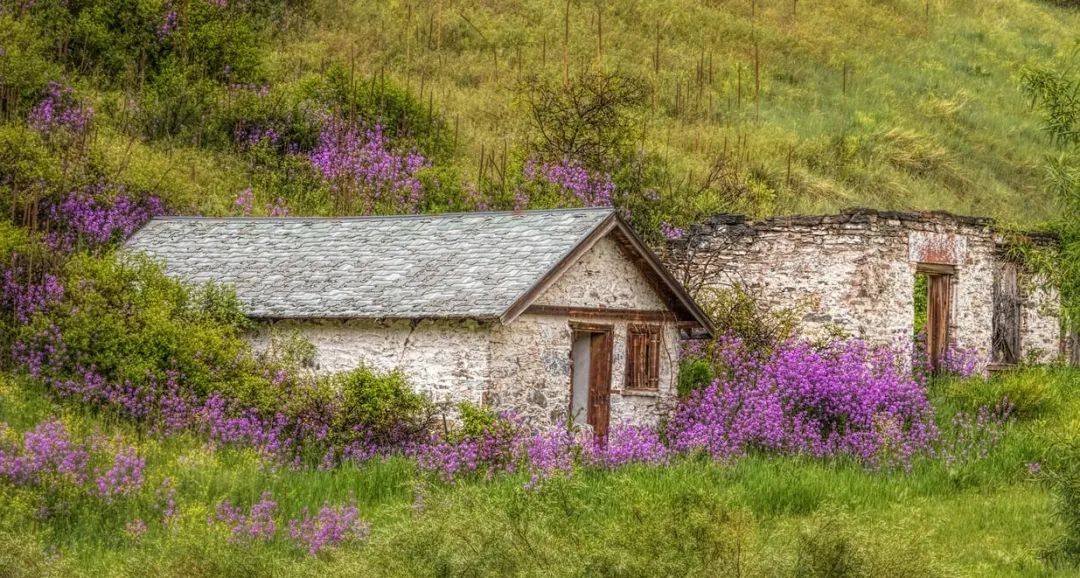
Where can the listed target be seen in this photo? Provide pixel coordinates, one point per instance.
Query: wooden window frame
(643, 355)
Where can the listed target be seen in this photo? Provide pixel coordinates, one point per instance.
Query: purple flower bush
(846, 398)
(49, 456)
(329, 527)
(60, 111)
(85, 218)
(361, 167)
(24, 297)
(573, 180)
(257, 524)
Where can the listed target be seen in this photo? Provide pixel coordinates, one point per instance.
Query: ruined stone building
(548, 314)
(856, 273)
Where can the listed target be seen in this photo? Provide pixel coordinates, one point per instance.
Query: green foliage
(1030, 392)
(694, 373)
(740, 313)
(921, 295)
(127, 320)
(829, 548)
(383, 404)
(476, 420)
(1066, 483)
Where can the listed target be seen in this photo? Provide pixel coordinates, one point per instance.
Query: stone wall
(530, 370)
(855, 272)
(530, 358)
(1041, 337)
(445, 360)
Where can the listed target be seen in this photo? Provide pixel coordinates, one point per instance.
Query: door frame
(937, 342)
(608, 331)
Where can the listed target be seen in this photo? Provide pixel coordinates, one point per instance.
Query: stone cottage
(856, 273)
(548, 314)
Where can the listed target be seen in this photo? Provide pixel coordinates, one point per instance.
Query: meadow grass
(759, 515)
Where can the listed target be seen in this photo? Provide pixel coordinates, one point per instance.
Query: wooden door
(938, 305)
(600, 382)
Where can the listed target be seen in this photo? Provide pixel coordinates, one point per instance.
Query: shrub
(829, 547)
(382, 404)
(743, 316)
(694, 373)
(846, 398)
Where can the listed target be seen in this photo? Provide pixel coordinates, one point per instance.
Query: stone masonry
(854, 273)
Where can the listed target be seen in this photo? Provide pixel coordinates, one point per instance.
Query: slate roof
(464, 265)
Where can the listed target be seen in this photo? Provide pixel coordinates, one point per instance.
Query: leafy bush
(694, 373)
(476, 420)
(382, 404)
(745, 317)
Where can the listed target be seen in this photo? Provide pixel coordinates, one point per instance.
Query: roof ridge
(297, 219)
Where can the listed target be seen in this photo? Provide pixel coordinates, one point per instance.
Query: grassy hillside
(765, 106)
(776, 516)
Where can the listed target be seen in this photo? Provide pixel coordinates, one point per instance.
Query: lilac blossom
(59, 110)
(847, 398)
(83, 217)
(124, 477)
(257, 524)
(50, 455)
(359, 164)
(330, 527)
(168, 23)
(25, 298)
(245, 201)
(671, 232)
(589, 189)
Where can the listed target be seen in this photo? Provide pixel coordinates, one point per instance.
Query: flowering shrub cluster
(61, 111)
(256, 524)
(85, 218)
(361, 166)
(573, 179)
(331, 526)
(23, 296)
(49, 455)
(846, 398)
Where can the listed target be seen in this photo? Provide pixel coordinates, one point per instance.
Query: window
(643, 357)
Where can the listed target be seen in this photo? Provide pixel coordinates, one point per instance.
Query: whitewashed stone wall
(445, 360)
(855, 272)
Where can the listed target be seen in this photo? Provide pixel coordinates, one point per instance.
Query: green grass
(757, 516)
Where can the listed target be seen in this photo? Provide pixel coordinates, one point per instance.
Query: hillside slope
(764, 106)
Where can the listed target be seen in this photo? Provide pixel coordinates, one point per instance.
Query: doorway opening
(590, 377)
(933, 310)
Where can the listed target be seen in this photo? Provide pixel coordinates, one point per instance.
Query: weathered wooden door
(600, 382)
(1006, 317)
(938, 306)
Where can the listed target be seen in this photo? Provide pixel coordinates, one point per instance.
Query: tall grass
(760, 515)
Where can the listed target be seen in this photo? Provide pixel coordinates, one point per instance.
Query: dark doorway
(937, 281)
(590, 377)
(1006, 318)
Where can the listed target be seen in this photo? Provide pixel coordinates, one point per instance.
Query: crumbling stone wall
(855, 272)
(1041, 338)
